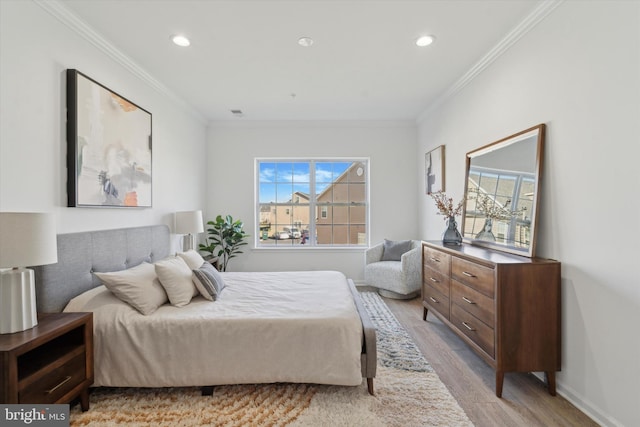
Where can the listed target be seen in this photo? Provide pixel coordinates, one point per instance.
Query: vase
(451, 235)
(486, 233)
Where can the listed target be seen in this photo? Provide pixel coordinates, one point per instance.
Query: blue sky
(278, 180)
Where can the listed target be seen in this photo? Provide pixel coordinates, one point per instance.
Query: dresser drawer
(437, 260)
(435, 299)
(472, 301)
(476, 276)
(436, 279)
(52, 387)
(473, 328)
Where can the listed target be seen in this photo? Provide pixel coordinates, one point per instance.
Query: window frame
(314, 206)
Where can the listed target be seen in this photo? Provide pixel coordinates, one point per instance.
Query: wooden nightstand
(50, 363)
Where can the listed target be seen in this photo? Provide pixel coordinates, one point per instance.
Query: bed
(301, 327)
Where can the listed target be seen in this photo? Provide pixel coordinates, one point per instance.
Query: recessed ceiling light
(181, 40)
(305, 41)
(425, 41)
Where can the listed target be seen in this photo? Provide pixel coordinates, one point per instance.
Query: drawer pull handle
(467, 300)
(467, 326)
(468, 274)
(433, 280)
(63, 382)
(435, 259)
(433, 299)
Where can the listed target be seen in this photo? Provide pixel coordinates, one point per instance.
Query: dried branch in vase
(445, 204)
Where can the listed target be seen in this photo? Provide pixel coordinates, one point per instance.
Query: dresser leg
(499, 381)
(84, 400)
(424, 313)
(551, 382)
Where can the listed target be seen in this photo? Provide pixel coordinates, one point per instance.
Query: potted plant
(226, 234)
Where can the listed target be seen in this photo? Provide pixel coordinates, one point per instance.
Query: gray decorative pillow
(393, 250)
(208, 281)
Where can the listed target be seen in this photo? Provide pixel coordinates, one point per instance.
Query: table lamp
(189, 223)
(26, 239)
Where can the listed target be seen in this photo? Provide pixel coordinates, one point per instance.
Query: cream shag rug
(408, 393)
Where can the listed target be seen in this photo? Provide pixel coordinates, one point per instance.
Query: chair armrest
(411, 264)
(373, 254)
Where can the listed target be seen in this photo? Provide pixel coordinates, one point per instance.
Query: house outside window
(310, 203)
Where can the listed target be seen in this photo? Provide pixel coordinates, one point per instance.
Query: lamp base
(188, 242)
(17, 300)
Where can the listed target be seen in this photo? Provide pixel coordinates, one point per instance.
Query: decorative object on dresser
(108, 147)
(502, 186)
(444, 204)
(26, 239)
(505, 307)
(51, 363)
(189, 223)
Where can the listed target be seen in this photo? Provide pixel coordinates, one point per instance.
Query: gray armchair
(394, 279)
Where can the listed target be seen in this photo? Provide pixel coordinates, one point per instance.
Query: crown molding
(526, 25)
(72, 21)
(301, 124)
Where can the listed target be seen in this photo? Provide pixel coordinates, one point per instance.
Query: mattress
(265, 327)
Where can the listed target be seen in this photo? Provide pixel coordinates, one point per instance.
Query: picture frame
(434, 170)
(109, 147)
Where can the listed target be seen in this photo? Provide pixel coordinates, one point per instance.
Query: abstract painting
(108, 147)
(434, 170)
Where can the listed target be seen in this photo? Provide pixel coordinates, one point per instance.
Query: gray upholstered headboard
(80, 254)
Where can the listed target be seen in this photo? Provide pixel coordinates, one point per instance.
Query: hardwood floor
(525, 401)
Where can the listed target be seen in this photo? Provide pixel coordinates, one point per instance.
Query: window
(312, 203)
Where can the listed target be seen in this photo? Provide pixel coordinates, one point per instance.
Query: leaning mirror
(502, 192)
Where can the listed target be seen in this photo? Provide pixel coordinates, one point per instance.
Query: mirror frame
(530, 251)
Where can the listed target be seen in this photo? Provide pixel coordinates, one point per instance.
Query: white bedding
(265, 327)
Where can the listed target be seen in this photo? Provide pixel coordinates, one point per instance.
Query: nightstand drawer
(52, 387)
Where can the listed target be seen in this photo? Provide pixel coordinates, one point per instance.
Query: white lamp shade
(189, 222)
(27, 239)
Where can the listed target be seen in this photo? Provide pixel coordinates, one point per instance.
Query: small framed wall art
(434, 170)
(108, 147)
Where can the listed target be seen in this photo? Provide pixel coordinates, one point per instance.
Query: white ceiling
(364, 64)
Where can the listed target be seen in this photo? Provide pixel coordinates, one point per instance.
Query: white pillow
(137, 286)
(175, 277)
(192, 258)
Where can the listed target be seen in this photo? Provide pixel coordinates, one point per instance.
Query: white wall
(578, 71)
(233, 146)
(35, 51)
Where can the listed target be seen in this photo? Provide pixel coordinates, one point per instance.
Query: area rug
(408, 393)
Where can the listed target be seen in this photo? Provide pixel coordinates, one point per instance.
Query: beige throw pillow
(192, 258)
(137, 286)
(175, 277)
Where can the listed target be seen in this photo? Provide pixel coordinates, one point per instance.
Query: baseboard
(588, 408)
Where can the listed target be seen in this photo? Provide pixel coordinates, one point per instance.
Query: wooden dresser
(506, 307)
